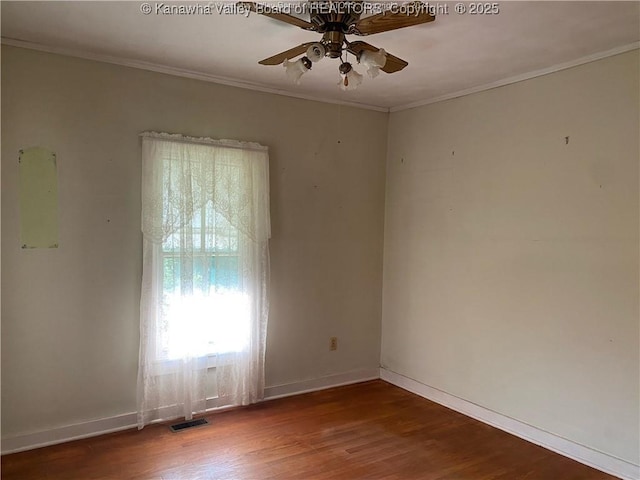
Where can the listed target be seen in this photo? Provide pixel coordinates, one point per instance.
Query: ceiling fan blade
(269, 11)
(393, 63)
(288, 55)
(383, 22)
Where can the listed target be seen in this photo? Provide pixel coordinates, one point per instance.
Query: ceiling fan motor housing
(333, 41)
(333, 21)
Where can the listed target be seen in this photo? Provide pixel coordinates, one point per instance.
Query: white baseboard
(29, 441)
(306, 386)
(588, 456)
(92, 428)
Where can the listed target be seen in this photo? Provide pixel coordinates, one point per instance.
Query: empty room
(320, 240)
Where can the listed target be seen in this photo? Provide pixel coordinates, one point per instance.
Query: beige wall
(511, 257)
(70, 316)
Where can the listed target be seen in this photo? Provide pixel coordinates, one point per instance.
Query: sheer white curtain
(204, 302)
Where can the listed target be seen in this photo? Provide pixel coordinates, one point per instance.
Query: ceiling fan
(337, 19)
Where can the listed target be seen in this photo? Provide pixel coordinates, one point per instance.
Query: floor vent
(178, 427)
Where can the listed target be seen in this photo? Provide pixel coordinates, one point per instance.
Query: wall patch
(38, 198)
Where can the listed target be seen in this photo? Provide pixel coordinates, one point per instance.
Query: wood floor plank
(371, 430)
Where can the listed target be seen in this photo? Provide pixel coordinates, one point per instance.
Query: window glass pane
(224, 272)
(202, 288)
(171, 273)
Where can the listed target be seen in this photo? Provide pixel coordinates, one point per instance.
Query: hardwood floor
(371, 430)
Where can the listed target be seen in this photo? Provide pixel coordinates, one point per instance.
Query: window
(205, 223)
(202, 290)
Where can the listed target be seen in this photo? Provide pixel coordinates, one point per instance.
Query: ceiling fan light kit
(374, 61)
(334, 23)
(296, 69)
(349, 78)
(316, 52)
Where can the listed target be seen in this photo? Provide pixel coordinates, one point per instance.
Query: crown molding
(522, 77)
(180, 72)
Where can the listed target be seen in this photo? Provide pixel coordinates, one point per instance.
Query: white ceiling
(456, 53)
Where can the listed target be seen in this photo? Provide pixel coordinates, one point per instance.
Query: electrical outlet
(333, 344)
